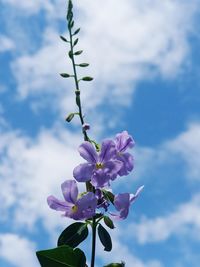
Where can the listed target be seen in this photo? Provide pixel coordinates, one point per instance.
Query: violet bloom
(122, 203)
(74, 207)
(123, 142)
(100, 167)
(101, 201)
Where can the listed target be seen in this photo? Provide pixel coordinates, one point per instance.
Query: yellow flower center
(74, 209)
(99, 166)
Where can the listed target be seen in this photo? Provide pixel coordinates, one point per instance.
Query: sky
(145, 60)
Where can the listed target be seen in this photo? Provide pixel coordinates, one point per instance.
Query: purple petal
(100, 179)
(70, 191)
(88, 152)
(111, 168)
(122, 203)
(56, 204)
(86, 206)
(124, 141)
(134, 196)
(83, 172)
(108, 150)
(127, 163)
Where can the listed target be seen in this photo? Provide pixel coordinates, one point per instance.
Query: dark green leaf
(63, 256)
(104, 238)
(83, 65)
(76, 41)
(115, 265)
(63, 38)
(71, 24)
(65, 75)
(73, 235)
(78, 52)
(108, 222)
(77, 31)
(70, 117)
(70, 54)
(87, 79)
(108, 196)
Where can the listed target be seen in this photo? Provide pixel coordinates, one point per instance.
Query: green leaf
(75, 42)
(83, 65)
(87, 79)
(63, 256)
(104, 238)
(108, 222)
(70, 117)
(71, 24)
(78, 52)
(70, 53)
(115, 265)
(63, 38)
(65, 75)
(77, 31)
(73, 235)
(109, 196)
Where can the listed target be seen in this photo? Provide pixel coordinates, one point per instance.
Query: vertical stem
(93, 241)
(78, 99)
(89, 187)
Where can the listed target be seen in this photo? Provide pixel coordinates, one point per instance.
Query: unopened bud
(86, 126)
(70, 117)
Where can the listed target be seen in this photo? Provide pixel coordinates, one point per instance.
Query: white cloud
(17, 250)
(186, 146)
(134, 43)
(6, 44)
(122, 252)
(184, 220)
(31, 6)
(32, 169)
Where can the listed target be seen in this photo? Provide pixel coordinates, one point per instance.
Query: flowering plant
(103, 164)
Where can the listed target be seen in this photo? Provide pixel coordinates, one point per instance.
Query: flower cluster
(99, 170)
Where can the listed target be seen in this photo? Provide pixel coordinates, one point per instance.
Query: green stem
(89, 187)
(77, 92)
(94, 226)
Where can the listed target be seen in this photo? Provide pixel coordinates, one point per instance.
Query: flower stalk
(103, 164)
(89, 187)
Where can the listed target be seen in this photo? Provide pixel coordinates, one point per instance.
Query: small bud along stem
(89, 187)
(77, 91)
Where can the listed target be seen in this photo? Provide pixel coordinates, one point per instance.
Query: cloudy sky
(144, 56)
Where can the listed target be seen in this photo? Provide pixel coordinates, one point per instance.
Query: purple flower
(124, 141)
(102, 202)
(122, 203)
(100, 167)
(74, 207)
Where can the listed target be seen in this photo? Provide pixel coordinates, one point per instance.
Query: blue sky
(144, 56)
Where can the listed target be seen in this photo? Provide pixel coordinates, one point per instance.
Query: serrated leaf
(63, 38)
(77, 31)
(76, 41)
(78, 52)
(104, 238)
(83, 65)
(108, 222)
(65, 75)
(87, 79)
(73, 235)
(63, 256)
